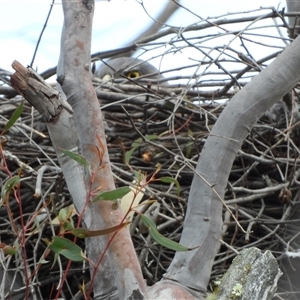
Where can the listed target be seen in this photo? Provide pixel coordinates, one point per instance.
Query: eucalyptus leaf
(112, 195)
(15, 116)
(171, 180)
(67, 248)
(159, 238)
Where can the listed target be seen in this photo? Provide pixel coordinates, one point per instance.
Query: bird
(130, 68)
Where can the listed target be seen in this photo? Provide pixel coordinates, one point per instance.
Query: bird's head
(128, 67)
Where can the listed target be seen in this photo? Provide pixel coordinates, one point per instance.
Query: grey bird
(128, 67)
(130, 70)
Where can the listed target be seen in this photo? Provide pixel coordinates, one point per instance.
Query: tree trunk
(202, 225)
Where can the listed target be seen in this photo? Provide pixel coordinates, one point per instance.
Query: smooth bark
(202, 225)
(74, 75)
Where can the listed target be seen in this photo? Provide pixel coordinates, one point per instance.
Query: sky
(115, 23)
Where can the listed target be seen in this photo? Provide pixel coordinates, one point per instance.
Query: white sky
(115, 23)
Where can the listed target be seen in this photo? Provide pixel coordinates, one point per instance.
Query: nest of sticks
(155, 131)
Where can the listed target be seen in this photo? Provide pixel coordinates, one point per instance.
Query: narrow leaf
(15, 116)
(128, 155)
(62, 215)
(66, 248)
(9, 185)
(113, 195)
(84, 233)
(66, 226)
(151, 137)
(137, 143)
(9, 250)
(160, 238)
(43, 261)
(139, 176)
(54, 260)
(189, 149)
(171, 180)
(77, 157)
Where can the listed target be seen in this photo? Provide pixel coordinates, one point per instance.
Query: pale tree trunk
(74, 75)
(203, 221)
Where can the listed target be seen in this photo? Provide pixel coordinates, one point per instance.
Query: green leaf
(137, 143)
(66, 226)
(43, 261)
(65, 219)
(128, 155)
(171, 180)
(139, 176)
(66, 248)
(189, 145)
(15, 116)
(9, 185)
(84, 233)
(189, 148)
(113, 195)
(62, 215)
(150, 137)
(160, 238)
(9, 250)
(54, 260)
(77, 157)
(55, 254)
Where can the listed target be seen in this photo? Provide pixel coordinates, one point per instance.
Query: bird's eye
(133, 74)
